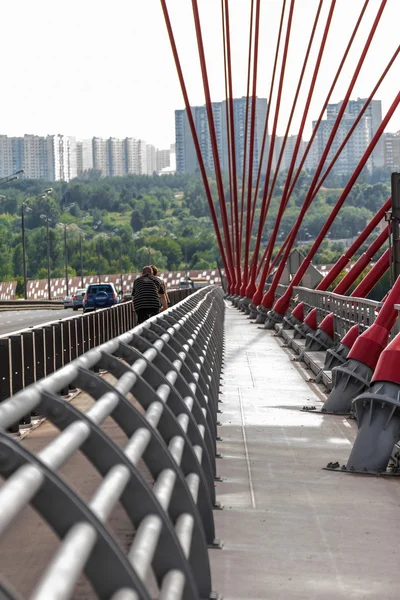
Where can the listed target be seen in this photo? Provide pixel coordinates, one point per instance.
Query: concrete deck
(292, 530)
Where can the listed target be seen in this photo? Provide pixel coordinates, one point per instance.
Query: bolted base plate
(390, 472)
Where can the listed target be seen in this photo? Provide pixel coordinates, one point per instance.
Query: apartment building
(84, 156)
(116, 157)
(359, 140)
(151, 159)
(6, 156)
(61, 158)
(391, 151)
(186, 159)
(163, 159)
(101, 156)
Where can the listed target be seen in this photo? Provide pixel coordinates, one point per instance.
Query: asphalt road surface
(23, 319)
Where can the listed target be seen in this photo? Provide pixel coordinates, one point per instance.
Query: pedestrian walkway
(292, 530)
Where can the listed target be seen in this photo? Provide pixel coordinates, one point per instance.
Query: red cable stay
(251, 292)
(195, 138)
(282, 305)
(269, 297)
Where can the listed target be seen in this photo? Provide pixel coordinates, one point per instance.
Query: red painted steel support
(351, 250)
(328, 97)
(371, 343)
(228, 129)
(283, 303)
(268, 298)
(246, 125)
(257, 295)
(271, 92)
(235, 225)
(291, 237)
(373, 276)
(196, 142)
(251, 287)
(213, 139)
(251, 150)
(361, 263)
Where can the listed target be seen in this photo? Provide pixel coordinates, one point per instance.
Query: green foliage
(123, 217)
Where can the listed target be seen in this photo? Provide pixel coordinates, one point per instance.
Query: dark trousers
(144, 313)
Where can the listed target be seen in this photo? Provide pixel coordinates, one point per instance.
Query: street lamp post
(48, 220)
(65, 227)
(24, 208)
(81, 256)
(98, 261)
(115, 232)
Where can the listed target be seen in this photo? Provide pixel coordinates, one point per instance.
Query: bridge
(244, 442)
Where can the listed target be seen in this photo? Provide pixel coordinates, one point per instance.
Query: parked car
(99, 295)
(126, 298)
(77, 298)
(68, 302)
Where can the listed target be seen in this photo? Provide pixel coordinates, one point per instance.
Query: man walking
(147, 292)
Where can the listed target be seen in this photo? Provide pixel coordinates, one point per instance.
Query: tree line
(126, 222)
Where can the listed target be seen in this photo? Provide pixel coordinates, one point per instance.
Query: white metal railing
(347, 311)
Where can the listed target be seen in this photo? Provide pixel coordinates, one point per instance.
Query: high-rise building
(287, 152)
(100, 156)
(151, 159)
(62, 158)
(391, 151)
(52, 158)
(163, 159)
(6, 156)
(72, 163)
(84, 156)
(116, 157)
(132, 163)
(359, 140)
(186, 159)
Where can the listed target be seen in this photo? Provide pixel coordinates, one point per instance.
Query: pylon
(323, 337)
(378, 415)
(338, 355)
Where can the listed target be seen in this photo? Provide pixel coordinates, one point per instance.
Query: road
(23, 319)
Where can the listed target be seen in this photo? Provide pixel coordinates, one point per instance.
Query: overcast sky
(96, 67)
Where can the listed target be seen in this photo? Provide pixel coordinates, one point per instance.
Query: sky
(99, 68)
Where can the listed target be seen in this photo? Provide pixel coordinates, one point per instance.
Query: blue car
(99, 295)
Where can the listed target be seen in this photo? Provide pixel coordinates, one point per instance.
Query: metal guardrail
(347, 310)
(28, 355)
(171, 364)
(12, 305)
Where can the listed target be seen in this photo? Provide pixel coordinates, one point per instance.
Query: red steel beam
(251, 148)
(373, 276)
(362, 263)
(228, 132)
(246, 125)
(252, 293)
(351, 250)
(282, 305)
(271, 91)
(343, 261)
(213, 139)
(235, 225)
(196, 140)
(264, 206)
(321, 115)
(269, 297)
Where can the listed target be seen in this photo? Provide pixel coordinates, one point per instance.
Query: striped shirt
(146, 293)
